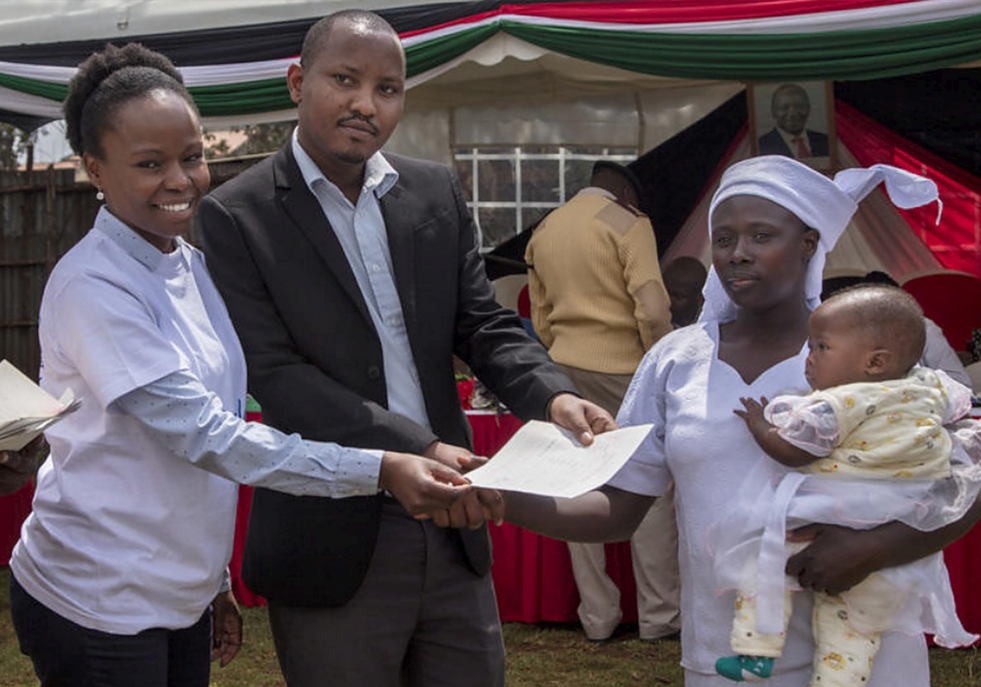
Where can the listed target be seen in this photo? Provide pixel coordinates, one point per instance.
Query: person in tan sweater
(598, 304)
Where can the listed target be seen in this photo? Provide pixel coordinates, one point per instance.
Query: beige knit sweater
(597, 300)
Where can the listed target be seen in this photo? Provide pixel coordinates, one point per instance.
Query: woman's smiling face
(152, 168)
(760, 251)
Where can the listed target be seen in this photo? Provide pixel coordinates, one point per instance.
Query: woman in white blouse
(134, 512)
(772, 220)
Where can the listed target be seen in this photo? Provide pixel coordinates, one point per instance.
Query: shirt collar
(596, 191)
(790, 139)
(379, 175)
(132, 243)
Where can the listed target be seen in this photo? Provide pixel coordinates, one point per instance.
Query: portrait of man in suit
(790, 109)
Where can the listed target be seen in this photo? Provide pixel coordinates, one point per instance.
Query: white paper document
(26, 409)
(542, 458)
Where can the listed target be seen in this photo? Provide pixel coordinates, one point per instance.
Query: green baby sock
(744, 668)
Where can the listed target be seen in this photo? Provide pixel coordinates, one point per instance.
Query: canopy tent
(620, 74)
(234, 56)
(531, 72)
(902, 243)
(938, 262)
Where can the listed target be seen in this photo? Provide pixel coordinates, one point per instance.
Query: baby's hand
(752, 412)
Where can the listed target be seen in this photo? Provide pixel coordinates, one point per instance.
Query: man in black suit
(352, 278)
(791, 107)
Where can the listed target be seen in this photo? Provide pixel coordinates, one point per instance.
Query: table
(532, 574)
(14, 509)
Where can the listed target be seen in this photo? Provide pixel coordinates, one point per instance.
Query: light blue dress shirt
(363, 236)
(182, 415)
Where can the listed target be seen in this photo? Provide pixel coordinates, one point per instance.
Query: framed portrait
(794, 119)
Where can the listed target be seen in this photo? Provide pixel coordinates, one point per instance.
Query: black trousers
(69, 655)
(421, 618)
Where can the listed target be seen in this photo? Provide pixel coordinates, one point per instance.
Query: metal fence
(42, 215)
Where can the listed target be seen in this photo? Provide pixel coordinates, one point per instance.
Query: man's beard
(352, 157)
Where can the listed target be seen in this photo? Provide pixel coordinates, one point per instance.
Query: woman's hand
(475, 508)
(836, 559)
(18, 467)
(226, 628)
(422, 485)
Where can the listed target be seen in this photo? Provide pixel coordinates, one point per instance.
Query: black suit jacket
(772, 143)
(315, 361)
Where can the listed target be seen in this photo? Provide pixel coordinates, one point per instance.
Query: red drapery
(676, 12)
(956, 241)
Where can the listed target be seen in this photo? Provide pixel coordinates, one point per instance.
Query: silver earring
(99, 195)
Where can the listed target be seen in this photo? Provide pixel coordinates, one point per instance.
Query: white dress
(894, 429)
(689, 394)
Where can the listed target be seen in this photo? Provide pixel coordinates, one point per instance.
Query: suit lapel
(305, 211)
(397, 213)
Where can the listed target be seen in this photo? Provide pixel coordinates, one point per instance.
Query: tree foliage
(259, 138)
(14, 143)
(265, 138)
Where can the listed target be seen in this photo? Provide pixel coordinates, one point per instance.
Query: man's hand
(475, 508)
(17, 467)
(581, 417)
(837, 558)
(420, 484)
(226, 628)
(455, 457)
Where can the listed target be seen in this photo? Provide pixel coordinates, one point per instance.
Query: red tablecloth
(14, 509)
(532, 574)
(533, 577)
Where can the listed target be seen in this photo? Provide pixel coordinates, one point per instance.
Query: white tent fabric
(51, 21)
(878, 238)
(532, 97)
(503, 92)
(509, 92)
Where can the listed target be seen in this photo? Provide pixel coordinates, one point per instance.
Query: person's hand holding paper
(548, 460)
(26, 410)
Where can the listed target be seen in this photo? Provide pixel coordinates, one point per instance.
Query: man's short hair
(608, 165)
(318, 34)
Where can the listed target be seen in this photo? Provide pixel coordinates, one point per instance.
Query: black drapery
(673, 176)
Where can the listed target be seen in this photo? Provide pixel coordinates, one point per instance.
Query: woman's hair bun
(106, 80)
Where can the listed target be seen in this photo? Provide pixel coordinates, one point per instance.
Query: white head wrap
(819, 202)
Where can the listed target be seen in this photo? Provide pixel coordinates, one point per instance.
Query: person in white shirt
(123, 556)
(772, 221)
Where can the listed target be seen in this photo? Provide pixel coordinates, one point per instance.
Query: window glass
(511, 188)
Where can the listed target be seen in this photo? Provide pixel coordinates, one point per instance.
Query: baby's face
(839, 350)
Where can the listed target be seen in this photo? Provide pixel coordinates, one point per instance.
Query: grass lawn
(538, 656)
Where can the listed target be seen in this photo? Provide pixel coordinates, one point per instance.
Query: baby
(875, 421)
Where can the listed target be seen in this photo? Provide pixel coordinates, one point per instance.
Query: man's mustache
(360, 118)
